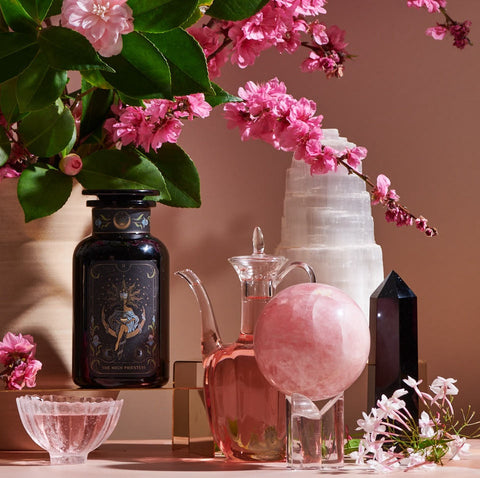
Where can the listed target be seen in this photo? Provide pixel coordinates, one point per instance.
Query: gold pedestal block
(191, 430)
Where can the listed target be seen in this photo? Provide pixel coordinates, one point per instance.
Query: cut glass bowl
(69, 428)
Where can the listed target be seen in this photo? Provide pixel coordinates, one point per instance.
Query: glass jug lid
(258, 265)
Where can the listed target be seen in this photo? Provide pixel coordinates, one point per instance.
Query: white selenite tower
(327, 222)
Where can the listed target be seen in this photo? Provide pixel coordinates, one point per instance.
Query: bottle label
(123, 318)
(108, 220)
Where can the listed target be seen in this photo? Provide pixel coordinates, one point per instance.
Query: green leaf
(8, 101)
(55, 8)
(351, 446)
(141, 71)
(70, 144)
(48, 131)
(42, 190)
(128, 100)
(16, 17)
(5, 147)
(37, 9)
(66, 49)
(235, 9)
(95, 78)
(121, 169)
(160, 15)
(188, 66)
(39, 85)
(197, 13)
(3, 23)
(17, 50)
(95, 106)
(180, 174)
(220, 97)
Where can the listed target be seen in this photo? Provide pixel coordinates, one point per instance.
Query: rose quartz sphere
(312, 339)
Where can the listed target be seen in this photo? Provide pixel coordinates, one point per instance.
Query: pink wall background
(414, 103)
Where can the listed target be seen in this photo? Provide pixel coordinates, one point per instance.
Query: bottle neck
(255, 295)
(120, 220)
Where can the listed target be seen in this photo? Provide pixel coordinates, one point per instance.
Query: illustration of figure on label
(123, 323)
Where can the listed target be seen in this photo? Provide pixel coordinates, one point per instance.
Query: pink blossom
(13, 347)
(31, 370)
(262, 97)
(126, 128)
(192, 106)
(210, 40)
(237, 116)
(216, 62)
(24, 374)
(308, 147)
(356, 155)
(319, 33)
(261, 25)
(380, 191)
(17, 356)
(431, 5)
(421, 223)
(303, 136)
(166, 132)
(312, 63)
(310, 7)
(396, 214)
(460, 32)
(71, 164)
(102, 22)
(392, 195)
(155, 110)
(437, 33)
(7, 171)
(244, 50)
(155, 123)
(337, 38)
(328, 64)
(324, 162)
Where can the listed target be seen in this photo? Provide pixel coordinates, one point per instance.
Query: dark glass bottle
(120, 296)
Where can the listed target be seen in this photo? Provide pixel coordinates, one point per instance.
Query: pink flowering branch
(17, 355)
(382, 194)
(282, 24)
(156, 123)
(270, 114)
(458, 30)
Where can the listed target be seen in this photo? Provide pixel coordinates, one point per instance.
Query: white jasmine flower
(426, 425)
(442, 387)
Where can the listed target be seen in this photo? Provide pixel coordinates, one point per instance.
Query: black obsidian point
(394, 341)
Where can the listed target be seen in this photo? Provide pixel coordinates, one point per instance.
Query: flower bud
(71, 164)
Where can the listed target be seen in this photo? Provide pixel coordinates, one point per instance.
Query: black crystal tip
(121, 197)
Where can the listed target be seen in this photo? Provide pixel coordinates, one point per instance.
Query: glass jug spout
(211, 341)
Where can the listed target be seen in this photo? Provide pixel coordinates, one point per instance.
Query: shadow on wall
(36, 279)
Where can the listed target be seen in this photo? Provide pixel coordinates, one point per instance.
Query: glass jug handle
(296, 265)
